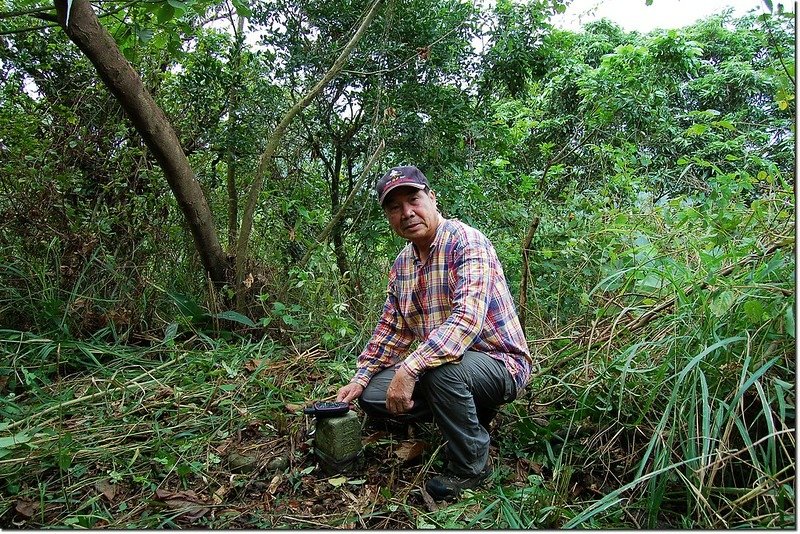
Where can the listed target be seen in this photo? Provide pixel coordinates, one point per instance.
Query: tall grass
(677, 394)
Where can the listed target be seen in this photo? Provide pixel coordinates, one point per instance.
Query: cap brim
(392, 187)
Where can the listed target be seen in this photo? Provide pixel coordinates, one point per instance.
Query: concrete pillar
(337, 443)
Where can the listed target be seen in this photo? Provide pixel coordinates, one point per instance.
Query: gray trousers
(461, 397)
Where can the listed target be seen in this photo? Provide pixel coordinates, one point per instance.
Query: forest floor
(211, 434)
(217, 439)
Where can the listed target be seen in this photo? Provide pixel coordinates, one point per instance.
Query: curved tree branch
(346, 204)
(265, 163)
(34, 11)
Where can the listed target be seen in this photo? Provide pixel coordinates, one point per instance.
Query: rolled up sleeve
(388, 343)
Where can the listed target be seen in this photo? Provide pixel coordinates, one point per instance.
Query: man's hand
(349, 392)
(398, 394)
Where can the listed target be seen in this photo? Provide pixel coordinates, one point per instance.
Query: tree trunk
(346, 204)
(336, 231)
(233, 202)
(526, 271)
(125, 84)
(233, 104)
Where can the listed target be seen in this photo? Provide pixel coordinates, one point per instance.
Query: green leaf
(145, 35)
(178, 5)
(651, 283)
(789, 318)
(696, 130)
(337, 481)
(11, 441)
(64, 459)
(166, 13)
(171, 332)
(242, 9)
(722, 303)
(236, 317)
(754, 311)
(186, 305)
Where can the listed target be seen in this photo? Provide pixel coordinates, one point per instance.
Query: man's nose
(408, 211)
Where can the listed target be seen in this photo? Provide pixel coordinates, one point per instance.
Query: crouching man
(446, 290)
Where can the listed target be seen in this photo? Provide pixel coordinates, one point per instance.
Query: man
(448, 292)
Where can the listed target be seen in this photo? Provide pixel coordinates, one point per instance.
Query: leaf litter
(159, 455)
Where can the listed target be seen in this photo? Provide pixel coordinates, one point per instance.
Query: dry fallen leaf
(252, 365)
(294, 408)
(273, 485)
(187, 500)
(409, 450)
(25, 507)
(429, 502)
(219, 494)
(108, 489)
(164, 393)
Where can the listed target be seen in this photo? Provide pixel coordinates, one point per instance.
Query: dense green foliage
(652, 173)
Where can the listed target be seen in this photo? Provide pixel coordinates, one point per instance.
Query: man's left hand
(398, 394)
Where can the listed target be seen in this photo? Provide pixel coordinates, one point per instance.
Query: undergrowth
(664, 396)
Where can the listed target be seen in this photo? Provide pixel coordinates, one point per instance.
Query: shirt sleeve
(389, 341)
(470, 301)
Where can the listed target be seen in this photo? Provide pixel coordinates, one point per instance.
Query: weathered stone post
(337, 443)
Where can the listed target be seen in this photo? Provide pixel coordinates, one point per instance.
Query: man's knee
(374, 392)
(445, 378)
(373, 398)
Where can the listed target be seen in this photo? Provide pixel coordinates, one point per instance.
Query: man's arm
(390, 339)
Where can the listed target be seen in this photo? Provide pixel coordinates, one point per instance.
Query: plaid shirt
(455, 301)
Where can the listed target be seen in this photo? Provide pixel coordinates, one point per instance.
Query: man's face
(412, 214)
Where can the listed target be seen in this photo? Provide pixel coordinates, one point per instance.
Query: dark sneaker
(450, 485)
